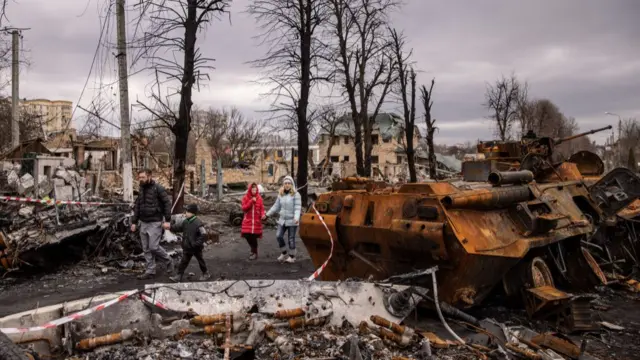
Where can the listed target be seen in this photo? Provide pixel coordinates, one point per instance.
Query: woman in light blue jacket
(288, 206)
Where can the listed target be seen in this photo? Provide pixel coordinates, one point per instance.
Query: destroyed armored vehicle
(517, 220)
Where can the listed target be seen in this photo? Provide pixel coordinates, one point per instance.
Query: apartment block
(53, 115)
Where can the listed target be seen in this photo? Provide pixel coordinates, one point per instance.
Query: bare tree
(173, 26)
(427, 103)
(502, 101)
(241, 135)
(406, 79)
(329, 122)
(30, 126)
(364, 62)
(293, 63)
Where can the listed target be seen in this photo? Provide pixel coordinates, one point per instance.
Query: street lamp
(619, 133)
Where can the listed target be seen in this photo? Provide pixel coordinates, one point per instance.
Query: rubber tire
(9, 350)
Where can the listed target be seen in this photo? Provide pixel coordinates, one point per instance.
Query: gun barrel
(487, 198)
(561, 140)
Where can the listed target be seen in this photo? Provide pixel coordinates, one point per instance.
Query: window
(387, 140)
(311, 154)
(374, 159)
(374, 139)
(346, 140)
(279, 153)
(346, 158)
(335, 140)
(295, 152)
(399, 160)
(335, 159)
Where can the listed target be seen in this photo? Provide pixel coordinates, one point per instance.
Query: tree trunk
(432, 155)
(328, 156)
(411, 160)
(359, 145)
(410, 131)
(368, 146)
(183, 125)
(305, 85)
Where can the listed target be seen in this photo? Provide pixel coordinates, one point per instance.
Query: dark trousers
(252, 240)
(187, 254)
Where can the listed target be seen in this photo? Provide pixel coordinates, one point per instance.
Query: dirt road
(227, 259)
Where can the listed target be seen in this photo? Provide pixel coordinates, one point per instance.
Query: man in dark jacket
(194, 235)
(153, 209)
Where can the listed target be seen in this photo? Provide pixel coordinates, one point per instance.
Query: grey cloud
(581, 54)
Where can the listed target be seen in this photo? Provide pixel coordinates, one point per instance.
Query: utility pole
(15, 89)
(125, 123)
(219, 178)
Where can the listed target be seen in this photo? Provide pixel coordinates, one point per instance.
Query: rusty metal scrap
(289, 313)
(558, 345)
(201, 320)
(92, 343)
(396, 328)
(523, 352)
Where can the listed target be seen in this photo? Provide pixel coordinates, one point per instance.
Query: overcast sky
(584, 55)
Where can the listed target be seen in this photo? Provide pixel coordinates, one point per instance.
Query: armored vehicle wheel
(526, 275)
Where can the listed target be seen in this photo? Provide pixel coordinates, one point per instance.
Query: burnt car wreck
(518, 221)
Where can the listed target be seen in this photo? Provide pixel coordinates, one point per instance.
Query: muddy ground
(226, 259)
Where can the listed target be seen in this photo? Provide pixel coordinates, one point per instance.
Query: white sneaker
(290, 260)
(282, 257)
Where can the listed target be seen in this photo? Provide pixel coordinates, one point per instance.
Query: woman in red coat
(253, 208)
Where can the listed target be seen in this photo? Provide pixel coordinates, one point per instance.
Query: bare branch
(502, 101)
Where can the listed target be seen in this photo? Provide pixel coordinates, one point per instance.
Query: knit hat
(288, 179)
(192, 208)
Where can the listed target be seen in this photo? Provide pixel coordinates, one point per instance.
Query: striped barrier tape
(72, 317)
(145, 298)
(57, 202)
(324, 265)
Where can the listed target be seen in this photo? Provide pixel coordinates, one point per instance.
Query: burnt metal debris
(519, 221)
(272, 319)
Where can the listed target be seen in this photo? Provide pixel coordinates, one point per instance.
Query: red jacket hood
(249, 195)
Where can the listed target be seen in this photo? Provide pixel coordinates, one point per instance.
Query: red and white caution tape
(156, 303)
(72, 317)
(57, 202)
(324, 265)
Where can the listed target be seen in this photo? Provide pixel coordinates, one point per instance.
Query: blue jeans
(291, 232)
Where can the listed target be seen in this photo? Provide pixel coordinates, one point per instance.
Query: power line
(95, 55)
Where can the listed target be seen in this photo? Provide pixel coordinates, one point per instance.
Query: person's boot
(205, 276)
(176, 278)
(254, 255)
(171, 269)
(146, 276)
(283, 257)
(291, 259)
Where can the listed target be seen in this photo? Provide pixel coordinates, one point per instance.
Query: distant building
(52, 114)
(387, 137)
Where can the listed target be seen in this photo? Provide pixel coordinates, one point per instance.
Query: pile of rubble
(262, 319)
(65, 184)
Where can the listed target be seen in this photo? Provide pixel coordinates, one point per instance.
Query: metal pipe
(488, 198)
(510, 177)
(92, 343)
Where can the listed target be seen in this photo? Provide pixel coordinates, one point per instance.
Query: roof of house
(388, 124)
(29, 146)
